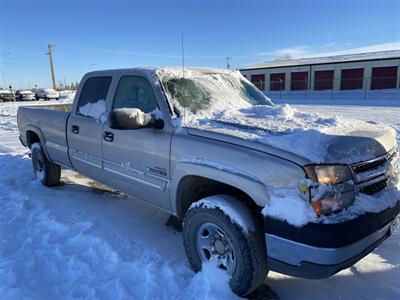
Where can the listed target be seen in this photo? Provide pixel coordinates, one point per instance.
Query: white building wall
(337, 67)
(364, 93)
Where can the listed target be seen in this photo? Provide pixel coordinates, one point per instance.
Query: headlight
(329, 174)
(324, 187)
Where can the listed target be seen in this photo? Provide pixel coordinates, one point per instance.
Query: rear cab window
(92, 100)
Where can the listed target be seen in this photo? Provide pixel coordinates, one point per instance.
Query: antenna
(183, 58)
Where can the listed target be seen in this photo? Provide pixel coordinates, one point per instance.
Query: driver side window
(135, 92)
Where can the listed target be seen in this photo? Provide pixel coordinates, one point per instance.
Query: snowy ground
(83, 240)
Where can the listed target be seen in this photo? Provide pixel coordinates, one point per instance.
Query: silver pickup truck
(257, 186)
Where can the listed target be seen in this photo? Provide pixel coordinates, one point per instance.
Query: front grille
(375, 187)
(368, 166)
(369, 172)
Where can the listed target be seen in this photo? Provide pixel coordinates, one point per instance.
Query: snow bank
(96, 110)
(211, 283)
(73, 244)
(231, 207)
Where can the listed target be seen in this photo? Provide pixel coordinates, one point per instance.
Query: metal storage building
(355, 75)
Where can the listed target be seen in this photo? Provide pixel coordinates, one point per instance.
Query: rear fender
(42, 140)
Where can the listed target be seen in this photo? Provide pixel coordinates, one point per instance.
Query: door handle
(75, 129)
(108, 136)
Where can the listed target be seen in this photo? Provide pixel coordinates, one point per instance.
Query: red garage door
(352, 79)
(323, 80)
(384, 78)
(299, 81)
(258, 81)
(277, 82)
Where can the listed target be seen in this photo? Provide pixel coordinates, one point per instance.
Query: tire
(47, 172)
(248, 256)
(37, 98)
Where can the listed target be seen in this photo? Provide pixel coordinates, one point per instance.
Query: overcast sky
(91, 34)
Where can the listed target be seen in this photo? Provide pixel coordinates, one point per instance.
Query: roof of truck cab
(154, 70)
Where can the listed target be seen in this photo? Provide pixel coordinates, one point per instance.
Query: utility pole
(183, 57)
(227, 62)
(50, 54)
(4, 78)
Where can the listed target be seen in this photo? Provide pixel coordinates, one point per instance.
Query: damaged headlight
(329, 174)
(324, 186)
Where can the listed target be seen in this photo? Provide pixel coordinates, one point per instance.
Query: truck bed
(49, 122)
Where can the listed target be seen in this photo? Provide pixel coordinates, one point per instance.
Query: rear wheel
(47, 172)
(210, 234)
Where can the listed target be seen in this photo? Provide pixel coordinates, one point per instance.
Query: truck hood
(312, 137)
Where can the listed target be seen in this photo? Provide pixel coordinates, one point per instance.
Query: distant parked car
(6, 95)
(46, 94)
(24, 95)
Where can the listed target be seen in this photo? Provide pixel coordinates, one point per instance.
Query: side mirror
(133, 118)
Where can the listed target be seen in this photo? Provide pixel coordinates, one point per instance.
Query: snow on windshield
(201, 93)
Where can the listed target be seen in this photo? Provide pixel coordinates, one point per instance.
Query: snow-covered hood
(311, 136)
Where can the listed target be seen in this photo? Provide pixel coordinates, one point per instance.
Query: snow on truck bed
(84, 241)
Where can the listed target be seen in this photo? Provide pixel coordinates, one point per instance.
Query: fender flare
(40, 134)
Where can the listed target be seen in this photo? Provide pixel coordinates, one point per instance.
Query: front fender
(221, 173)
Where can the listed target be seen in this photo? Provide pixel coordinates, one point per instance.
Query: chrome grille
(374, 187)
(374, 164)
(374, 175)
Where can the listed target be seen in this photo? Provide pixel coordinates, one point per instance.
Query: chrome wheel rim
(214, 245)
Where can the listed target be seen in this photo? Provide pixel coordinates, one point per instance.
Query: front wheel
(47, 172)
(222, 230)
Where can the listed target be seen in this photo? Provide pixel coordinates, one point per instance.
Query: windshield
(205, 93)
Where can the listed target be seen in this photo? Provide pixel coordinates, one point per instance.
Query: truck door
(137, 161)
(84, 129)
